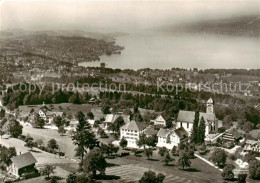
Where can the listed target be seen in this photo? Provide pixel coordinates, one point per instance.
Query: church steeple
(210, 107)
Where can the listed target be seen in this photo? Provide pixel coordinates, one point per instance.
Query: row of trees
(198, 130)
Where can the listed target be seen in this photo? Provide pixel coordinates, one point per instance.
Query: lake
(168, 50)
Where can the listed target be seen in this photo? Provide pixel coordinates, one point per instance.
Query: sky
(125, 16)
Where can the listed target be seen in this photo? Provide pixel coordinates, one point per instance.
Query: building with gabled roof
(111, 118)
(252, 145)
(131, 132)
(171, 137)
(24, 163)
(162, 119)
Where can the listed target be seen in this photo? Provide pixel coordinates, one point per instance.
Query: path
(208, 162)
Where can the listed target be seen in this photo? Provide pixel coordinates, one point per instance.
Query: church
(186, 119)
(184, 124)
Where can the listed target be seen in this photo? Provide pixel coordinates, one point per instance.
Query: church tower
(210, 108)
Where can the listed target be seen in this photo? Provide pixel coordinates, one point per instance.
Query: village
(43, 140)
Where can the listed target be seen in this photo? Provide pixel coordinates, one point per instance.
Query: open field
(65, 142)
(42, 157)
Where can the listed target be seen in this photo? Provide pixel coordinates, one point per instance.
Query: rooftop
(23, 160)
(134, 125)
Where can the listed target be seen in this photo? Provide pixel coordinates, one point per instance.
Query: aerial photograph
(130, 91)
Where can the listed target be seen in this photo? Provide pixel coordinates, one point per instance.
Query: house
(24, 163)
(163, 119)
(42, 111)
(150, 131)
(186, 119)
(73, 125)
(252, 145)
(111, 118)
(92, 101)
(50, 115)
(163, 138)
(131, 132)
(171, 137)
(91, 122)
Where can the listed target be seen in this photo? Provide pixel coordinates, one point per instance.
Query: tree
(29, 144)
(2, 113)
(47, 170)
(71, 133)
(2, 133)
(151, 177)
(83, 138)
(102, 133)
(115, 127)
(184, 160)
(169, 124)
(219, 157)
(52, 144)
(241, 178)
(254, 170)
(148, 152)
(15, 129)
(123, 143)
(228, 172)
(163, 151)
(105, 109)
(93, 162)
(201, 131)
(174, 151)
(194, 133)
(57, 120)
(167, 158)
(108, 149)
(28, 137)
(61, 130)
(72, 177)
(38, 121)
(90, 115)
(39, 142)
(6, 154)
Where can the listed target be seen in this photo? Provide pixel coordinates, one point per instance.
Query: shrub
(228, 172)
(242, 178)
(232, 156)
(222, 129)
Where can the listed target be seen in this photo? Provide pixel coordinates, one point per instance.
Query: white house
(50, 115)
(131, 132)
(162, 119)
(252, 145)
(171, 137)
(110, 118)
(186, 119)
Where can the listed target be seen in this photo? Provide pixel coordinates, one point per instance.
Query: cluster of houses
(167, 137)
(181, 130)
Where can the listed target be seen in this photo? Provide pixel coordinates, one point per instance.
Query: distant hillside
(239, 26)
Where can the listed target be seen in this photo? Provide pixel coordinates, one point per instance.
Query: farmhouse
(131, 132)
(50, 115)
(171, 137)
(24, 163)
(111, 118)
(163, 119)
